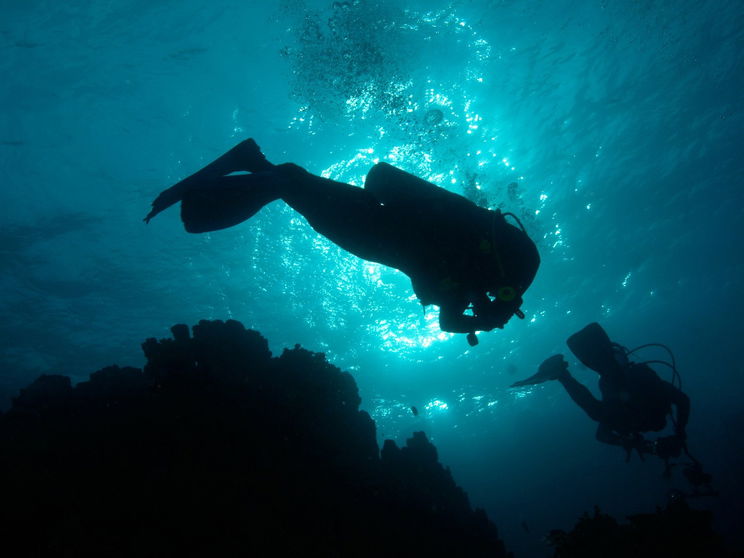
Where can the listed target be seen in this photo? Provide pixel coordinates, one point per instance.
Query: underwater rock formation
(217, 448)
(677, 530)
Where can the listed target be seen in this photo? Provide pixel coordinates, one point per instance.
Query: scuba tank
(592, 346)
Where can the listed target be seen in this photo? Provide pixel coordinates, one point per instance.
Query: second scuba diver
(634, 399)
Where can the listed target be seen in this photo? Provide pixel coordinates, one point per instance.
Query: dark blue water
(620, 122)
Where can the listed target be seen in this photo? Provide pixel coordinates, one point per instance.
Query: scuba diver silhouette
(464, 258)
(634, 399)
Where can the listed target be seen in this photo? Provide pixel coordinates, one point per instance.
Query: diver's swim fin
(246, 156)
(165, 199)
(551, 369)
(226, 203)
(593, 348)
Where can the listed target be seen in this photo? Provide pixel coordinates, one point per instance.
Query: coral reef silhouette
(676, 530)
(217, 448)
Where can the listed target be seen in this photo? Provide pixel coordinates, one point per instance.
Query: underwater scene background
(613, 129)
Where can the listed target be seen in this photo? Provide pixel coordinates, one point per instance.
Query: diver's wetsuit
(634, 400)
(455, 252)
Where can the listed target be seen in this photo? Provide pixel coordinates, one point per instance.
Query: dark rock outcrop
(675, 531)
(217, 448)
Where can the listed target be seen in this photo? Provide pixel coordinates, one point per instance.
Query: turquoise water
(620, 123)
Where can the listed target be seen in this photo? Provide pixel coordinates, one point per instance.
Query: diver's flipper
(226, 202)
(165, 199)
(551, 369)
(245, 156)
(593, 348)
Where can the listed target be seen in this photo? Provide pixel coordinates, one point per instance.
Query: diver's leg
(582, 397)
(608, 436)
(347, 215)
(245, 156)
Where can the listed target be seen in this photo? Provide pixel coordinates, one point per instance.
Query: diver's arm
(608, 436)
(582, 396)
(629, 442)
(452, 319)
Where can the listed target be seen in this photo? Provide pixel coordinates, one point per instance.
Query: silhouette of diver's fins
(246, 156)
(165, 199)
(226, 202)
(593, 348)
(551, 369)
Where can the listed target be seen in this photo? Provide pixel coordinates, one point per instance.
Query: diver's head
(505, 302)
(516, 265)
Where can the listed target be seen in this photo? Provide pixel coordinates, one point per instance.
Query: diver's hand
(636, 443)
(669, 446)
